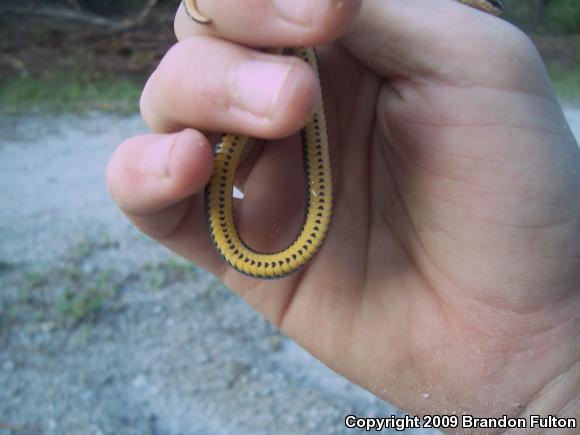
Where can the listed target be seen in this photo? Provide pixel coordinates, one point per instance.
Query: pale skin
(450, 279)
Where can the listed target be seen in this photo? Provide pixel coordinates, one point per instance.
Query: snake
(219, 201)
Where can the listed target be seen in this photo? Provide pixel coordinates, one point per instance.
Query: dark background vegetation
(96, 54)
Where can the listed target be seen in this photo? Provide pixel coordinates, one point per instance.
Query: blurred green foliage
(116, 7)
(70, 91)
(558, 17)
(107, 7)
(546, 16)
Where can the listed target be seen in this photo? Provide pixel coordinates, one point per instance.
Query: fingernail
(297, 11)
(156, 156)
(258, 85)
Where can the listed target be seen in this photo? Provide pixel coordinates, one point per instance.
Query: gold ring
(194, 14)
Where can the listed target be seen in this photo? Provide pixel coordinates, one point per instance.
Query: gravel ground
(104, 332)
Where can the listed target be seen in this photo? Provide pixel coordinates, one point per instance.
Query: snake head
(494, 7)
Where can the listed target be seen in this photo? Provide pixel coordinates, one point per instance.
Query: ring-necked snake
(318, 180)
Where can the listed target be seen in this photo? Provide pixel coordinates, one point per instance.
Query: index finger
(269, 23)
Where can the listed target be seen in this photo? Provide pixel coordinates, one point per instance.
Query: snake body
(318, 180)
(219, 201)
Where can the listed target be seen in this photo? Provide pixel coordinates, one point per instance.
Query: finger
(440, 39)
(149, 173)
(157, 182)
(270, 23)
(217, 86)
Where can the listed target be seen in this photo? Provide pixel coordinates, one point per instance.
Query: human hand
(449, 281)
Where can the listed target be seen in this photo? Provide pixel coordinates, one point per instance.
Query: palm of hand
(447, 234)
(451, 265)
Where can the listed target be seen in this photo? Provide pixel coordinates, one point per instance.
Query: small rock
(51, 424)
(201, 358)
(237, 371)
(275, 342)
(140, 381)
(291, 419)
